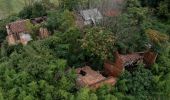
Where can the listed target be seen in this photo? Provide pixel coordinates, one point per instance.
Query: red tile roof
(18, 26)
(130, 58)
(90, 78)
(21, 25)
(116, 68)
(109, 80)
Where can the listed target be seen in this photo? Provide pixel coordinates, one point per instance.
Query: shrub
(98, 41)
(32, 11)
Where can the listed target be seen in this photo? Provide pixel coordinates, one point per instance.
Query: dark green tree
(60, 20)
(69, 4)
(32, 11)
(137, 83)
(164, 9)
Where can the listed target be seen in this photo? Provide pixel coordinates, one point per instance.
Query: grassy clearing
(8, 7)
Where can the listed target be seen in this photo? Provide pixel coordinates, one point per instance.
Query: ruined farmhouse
(20, 32)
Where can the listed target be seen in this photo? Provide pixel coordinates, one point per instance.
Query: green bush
(59, 20)
(98, 41)
(33, 11)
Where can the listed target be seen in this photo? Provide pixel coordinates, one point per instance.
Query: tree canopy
(45, 68)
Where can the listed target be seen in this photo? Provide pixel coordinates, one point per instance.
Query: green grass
(8, 7)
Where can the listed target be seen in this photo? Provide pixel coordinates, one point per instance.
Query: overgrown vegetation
(45, 69)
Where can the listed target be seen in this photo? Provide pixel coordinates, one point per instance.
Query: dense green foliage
(45, 69)
(98, 41)
(8, 7)
(140, 84)
(60, 20)
(164, 9)
(33, 11)
(68, 4)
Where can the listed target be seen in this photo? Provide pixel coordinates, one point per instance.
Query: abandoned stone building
(88, 17)
(125, 61)
(18, 31)
(92, 79)
(98, 11)
(91, 16)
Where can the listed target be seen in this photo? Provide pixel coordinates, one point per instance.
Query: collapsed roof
(38, 20)
(130, 58)
(18, 31)
(26, 37)
(18, 26)
(22, 25)
(121, 61)
(91, 15)
(93, 79)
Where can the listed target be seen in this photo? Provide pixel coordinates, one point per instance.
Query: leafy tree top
(98, 41)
